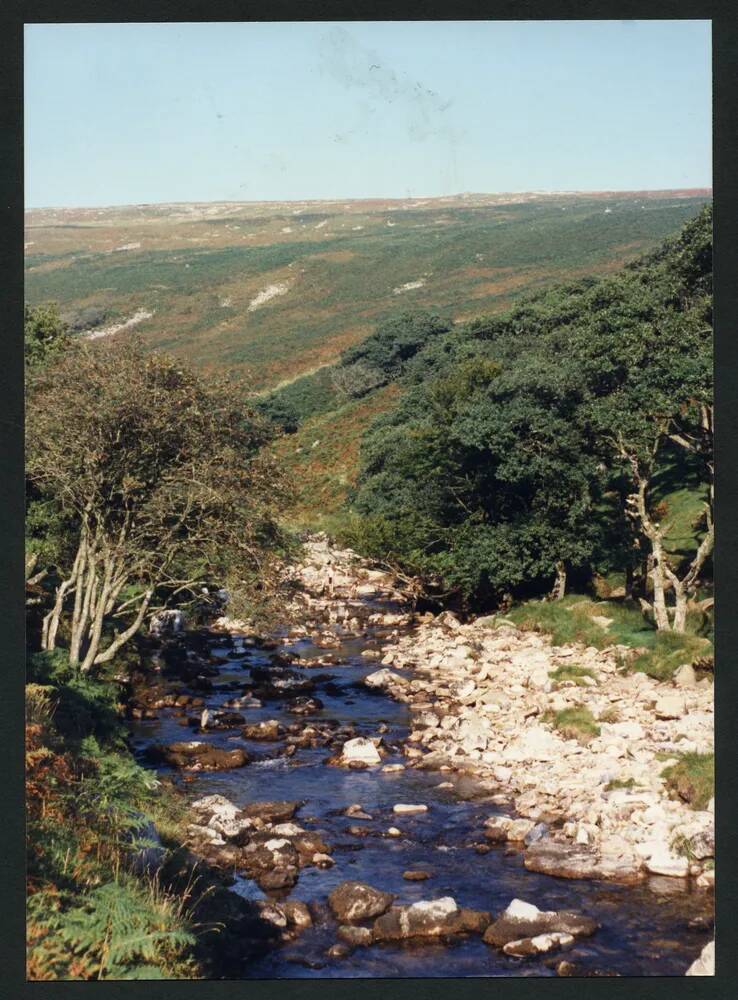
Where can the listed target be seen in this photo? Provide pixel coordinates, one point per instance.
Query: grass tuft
(572, 672)
(616, 783)
(576, 723)
(692, 778)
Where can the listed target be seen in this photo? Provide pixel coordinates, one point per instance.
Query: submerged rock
(575, 861)
(194, 756)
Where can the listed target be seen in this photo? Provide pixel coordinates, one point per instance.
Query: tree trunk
(680, 607)
(124, 636)
(559, 587)
(660, 613)
(95, 630)
(51, 621)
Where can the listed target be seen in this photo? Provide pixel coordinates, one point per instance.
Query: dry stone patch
(483, 699)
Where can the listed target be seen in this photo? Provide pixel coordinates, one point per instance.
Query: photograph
(369, 479)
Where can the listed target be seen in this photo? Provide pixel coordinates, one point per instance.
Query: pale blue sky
(132, 113)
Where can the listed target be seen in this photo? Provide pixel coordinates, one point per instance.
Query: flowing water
(644, 930)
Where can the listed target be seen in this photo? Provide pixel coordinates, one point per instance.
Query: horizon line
(685, 191)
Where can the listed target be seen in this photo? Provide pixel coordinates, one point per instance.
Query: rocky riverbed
(384, 796)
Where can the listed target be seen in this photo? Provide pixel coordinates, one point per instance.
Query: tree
(490, 461)
(533, 443)
(659, 412)
(161, 474)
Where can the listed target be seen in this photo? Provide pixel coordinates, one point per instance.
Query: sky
(119, 114)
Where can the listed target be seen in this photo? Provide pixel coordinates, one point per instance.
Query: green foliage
(291, 405)
(383, 357)
(118, 930)
(692, 778)
(89, 707)
(668, 652)
(165, 473)
(659, 654)
(562, 622)
(510, 443)
(92, 914)
(45, 334)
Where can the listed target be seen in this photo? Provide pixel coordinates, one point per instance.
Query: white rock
(361, 749)
(663, 862)
(383, 678)
(435, 909)
(518, 909)
(407, 809)
(705, 964)
(669, 706)
(276, 844)
(685, 676)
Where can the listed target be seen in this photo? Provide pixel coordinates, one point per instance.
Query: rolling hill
(275, 290)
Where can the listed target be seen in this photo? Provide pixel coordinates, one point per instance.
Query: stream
(656, 928)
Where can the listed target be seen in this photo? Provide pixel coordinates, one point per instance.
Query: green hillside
(279, 290)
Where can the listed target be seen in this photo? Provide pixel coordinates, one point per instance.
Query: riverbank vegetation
(147, 483)
(566, 443)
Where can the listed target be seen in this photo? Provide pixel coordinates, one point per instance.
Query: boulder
(661, 861)
(496, 828)
(522, 921)
(669, 706)
(685, 677)
(381, 679)
(577, 861)
(357, 937)
(304, 705)
(705, 964)
(519, 829)
(426, 918)
(271, 812)
(351, 902)
(194, 756)
(538, 945)
(297, 913)
(277, 878)
(473, 735)
(268, 730)
(360, 749)
(408, 809)
(215, 806)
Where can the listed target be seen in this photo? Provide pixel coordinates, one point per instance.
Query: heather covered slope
(279, 289)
